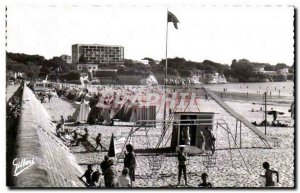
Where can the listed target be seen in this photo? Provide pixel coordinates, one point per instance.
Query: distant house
(270, 72)
(66, 58)
(258, 68)
(283, 71)
(89, 67)
(145, 62)
(106, 75)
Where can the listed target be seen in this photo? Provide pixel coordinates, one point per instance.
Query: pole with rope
(166, 74)
(170, 18)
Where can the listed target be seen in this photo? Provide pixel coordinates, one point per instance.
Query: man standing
(182, 165)
(104, 166)
(130, 162)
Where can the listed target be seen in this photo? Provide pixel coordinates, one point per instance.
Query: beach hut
(190, 129)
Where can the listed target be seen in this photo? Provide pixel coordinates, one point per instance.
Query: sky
(217, 33)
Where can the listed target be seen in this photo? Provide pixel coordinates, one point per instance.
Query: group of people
(110, 171)
(78, 138)
(42, 96)
(182, 159)
(14, 108)
(207, 138)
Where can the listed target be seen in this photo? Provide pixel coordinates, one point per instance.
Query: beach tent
(133, 113)
(82, 111)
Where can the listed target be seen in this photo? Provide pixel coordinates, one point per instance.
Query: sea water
(285, 88)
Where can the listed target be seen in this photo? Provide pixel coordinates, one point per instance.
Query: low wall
(54, 165)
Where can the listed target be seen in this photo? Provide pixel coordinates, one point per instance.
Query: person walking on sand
(182, 165)
(206, 97)
(204, 183)
(98, 142)
(49, 97)
(269, 175)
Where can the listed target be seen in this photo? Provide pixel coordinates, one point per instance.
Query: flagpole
(166, 71)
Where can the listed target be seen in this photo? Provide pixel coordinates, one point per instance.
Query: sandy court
(226, 172)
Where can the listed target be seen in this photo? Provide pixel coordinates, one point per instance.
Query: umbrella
(275, 112)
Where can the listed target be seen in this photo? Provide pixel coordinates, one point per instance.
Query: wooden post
(236, 130)
(240, 134)
(265, 113)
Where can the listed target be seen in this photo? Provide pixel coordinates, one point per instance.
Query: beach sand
(226, 172)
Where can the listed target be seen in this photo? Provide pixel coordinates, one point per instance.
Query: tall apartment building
(97, 53)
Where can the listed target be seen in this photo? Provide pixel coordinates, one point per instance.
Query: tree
(269, 67)
(243, 61)
(25, 58)
(281, 66)
(44, 71)
(242, 70)
(234, 61)
(184, 73)
(72, 75)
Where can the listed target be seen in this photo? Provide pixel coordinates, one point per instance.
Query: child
(204, 183)
(88, 175)
(95, 177)
(269, 175)
(124, 180)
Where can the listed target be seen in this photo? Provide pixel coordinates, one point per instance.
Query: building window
(90, 67)
(94, 67)
(79, 68)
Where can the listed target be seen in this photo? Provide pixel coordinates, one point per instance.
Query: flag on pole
(173, 18)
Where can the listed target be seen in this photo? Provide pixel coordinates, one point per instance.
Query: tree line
(35, 66)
